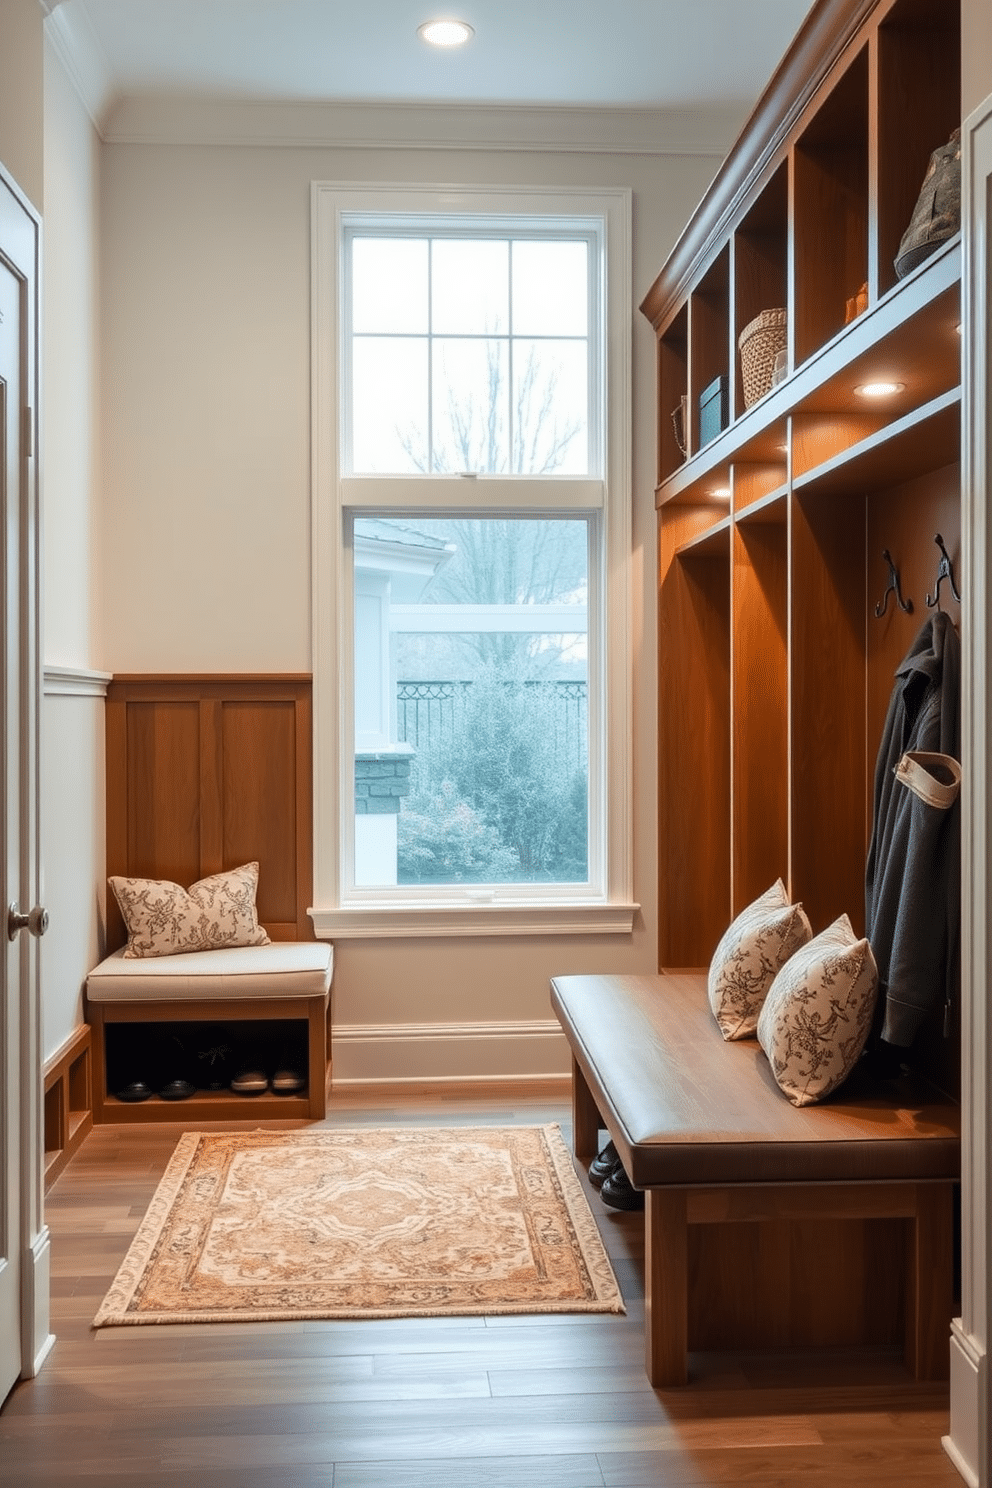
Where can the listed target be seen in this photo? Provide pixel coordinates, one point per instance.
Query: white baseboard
(36, 1339)
(963, 1444)
(410, 1053)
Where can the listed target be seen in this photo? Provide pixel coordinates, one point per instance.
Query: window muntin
(470, 354)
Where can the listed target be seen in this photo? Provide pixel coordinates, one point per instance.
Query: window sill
(375, 922)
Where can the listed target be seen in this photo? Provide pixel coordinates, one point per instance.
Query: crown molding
(180, 120)
(75, 43)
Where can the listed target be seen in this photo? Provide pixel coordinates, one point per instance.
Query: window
(471, 541)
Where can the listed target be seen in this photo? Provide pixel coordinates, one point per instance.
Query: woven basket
(760, 339)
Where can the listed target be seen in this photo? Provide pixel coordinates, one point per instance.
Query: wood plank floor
(497, 1402)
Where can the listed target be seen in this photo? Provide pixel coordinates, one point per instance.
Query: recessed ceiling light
(445, 33)
(879, 389)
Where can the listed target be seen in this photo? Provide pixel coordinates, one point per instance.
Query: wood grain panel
(693, 742)
(206, 772)
(259, 799)
(760, 711)
(829, 771)
(827, 1283)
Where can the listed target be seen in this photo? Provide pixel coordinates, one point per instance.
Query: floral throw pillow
(163, 919)
(818, 1014)
(761, 939)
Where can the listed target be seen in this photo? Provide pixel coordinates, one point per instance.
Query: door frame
(968, 1440)
(21, 247)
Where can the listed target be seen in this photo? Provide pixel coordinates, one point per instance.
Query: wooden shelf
(68, 1102)
(883, 344)
(209, 1105)
(921, 441)
(714, 542)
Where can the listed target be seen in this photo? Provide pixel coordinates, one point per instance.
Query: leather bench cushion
(684, 1107)
(284, 968)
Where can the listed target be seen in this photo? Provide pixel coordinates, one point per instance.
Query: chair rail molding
(67, 681)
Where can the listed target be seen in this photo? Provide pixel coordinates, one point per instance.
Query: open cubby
(709, 338)
(831, 211)
(919, 104)
(68, 1102)
(761, 263)
(829, 791)
(673, 385)
(694, 733)
(760, 717)
(207, 1055)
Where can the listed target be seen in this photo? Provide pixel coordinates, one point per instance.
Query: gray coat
(913, 879)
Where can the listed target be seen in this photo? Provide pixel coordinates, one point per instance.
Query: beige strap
(935, 778)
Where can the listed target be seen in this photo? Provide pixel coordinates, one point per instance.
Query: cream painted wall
(976, 53)
(71, 317)
(21, 95)
(73, 833)
(206, 326)
(73, 814)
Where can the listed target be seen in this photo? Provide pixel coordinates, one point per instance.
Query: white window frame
(605, 905)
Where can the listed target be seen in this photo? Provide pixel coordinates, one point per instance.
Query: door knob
(36, 921)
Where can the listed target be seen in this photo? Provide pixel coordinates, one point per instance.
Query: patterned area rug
(359, 1223)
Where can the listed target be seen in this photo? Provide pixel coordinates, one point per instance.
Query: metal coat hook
(892, 587)
(945, 570)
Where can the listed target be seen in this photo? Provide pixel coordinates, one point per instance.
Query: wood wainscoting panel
(205, 773)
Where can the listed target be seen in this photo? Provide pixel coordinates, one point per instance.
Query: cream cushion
(164, 919)
(818, 1013)
(757, 944)
(283, 968)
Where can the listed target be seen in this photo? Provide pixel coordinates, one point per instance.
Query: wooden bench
(704, 1130)
(280, 982)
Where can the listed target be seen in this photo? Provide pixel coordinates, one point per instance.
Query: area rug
(364, 1223)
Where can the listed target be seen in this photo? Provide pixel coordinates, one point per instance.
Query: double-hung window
(471, 546)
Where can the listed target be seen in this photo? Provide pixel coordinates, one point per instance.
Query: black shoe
(177, 1090)
(618, 1191)
(137, 1090)
(602, 1165)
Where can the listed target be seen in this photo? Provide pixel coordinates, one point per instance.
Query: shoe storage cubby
(775, 672)
(68, 1102)
(159, 1043)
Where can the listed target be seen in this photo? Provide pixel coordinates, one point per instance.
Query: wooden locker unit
(774, 672)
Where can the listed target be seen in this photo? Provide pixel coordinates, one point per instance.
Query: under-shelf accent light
(446, 33)
(879, 389)
(722, 493)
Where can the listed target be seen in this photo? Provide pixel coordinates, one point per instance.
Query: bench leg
(929, 1271)
(666, 1287)
(585, 1118)
(317, 1059)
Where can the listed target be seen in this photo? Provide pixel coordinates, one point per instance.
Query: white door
(23, 1239)
(10, 961)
